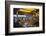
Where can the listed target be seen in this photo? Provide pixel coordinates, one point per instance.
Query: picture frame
(12, 6)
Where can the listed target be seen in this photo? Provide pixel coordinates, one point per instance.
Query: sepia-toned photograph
(25, 17)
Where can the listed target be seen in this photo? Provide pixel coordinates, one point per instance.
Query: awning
(27, 10)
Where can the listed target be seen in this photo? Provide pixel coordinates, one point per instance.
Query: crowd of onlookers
(31, 19)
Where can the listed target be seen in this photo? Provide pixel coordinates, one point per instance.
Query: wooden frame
(7, 19)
